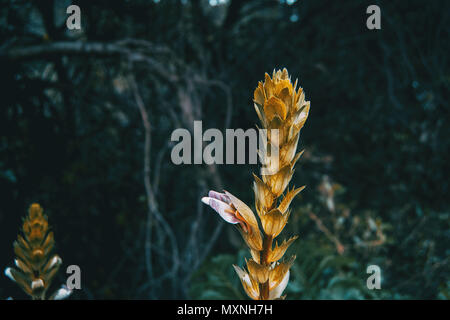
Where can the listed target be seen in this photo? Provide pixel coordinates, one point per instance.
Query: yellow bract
(284, 205)
(249, 284)
(275, 107)
(278, 252)
(273, 222)
(278, 273)
(260, 272)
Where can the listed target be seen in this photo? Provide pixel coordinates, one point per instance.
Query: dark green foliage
(216, 279)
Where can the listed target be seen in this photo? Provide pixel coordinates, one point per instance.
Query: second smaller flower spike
(36, 266)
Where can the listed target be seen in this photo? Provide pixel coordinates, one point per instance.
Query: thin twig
(151, 201)
(339, 247)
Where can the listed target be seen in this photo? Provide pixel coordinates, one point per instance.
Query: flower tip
(205, 200)
(241, 273)
(62, 293)
(55, 261)
(9, 274)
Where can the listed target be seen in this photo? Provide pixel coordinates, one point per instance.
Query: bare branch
(91, 49)
(153, 210)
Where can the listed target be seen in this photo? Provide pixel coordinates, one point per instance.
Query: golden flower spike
(35, 266)
(279, 105)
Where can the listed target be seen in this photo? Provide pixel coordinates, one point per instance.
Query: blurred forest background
(86, 118)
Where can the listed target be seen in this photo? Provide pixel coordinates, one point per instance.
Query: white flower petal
(222, 208)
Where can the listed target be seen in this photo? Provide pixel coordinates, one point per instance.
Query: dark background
(376, 166)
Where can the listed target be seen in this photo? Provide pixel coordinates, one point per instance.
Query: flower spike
(35, 264)
(279, 105)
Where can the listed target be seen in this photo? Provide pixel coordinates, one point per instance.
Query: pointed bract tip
(9, 274)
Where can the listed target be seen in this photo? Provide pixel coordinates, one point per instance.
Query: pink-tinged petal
(219, 196)
(222, 208)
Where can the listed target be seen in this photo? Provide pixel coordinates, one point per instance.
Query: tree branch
(92, 49)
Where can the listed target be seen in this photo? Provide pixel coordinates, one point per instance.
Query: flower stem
(264, 255)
